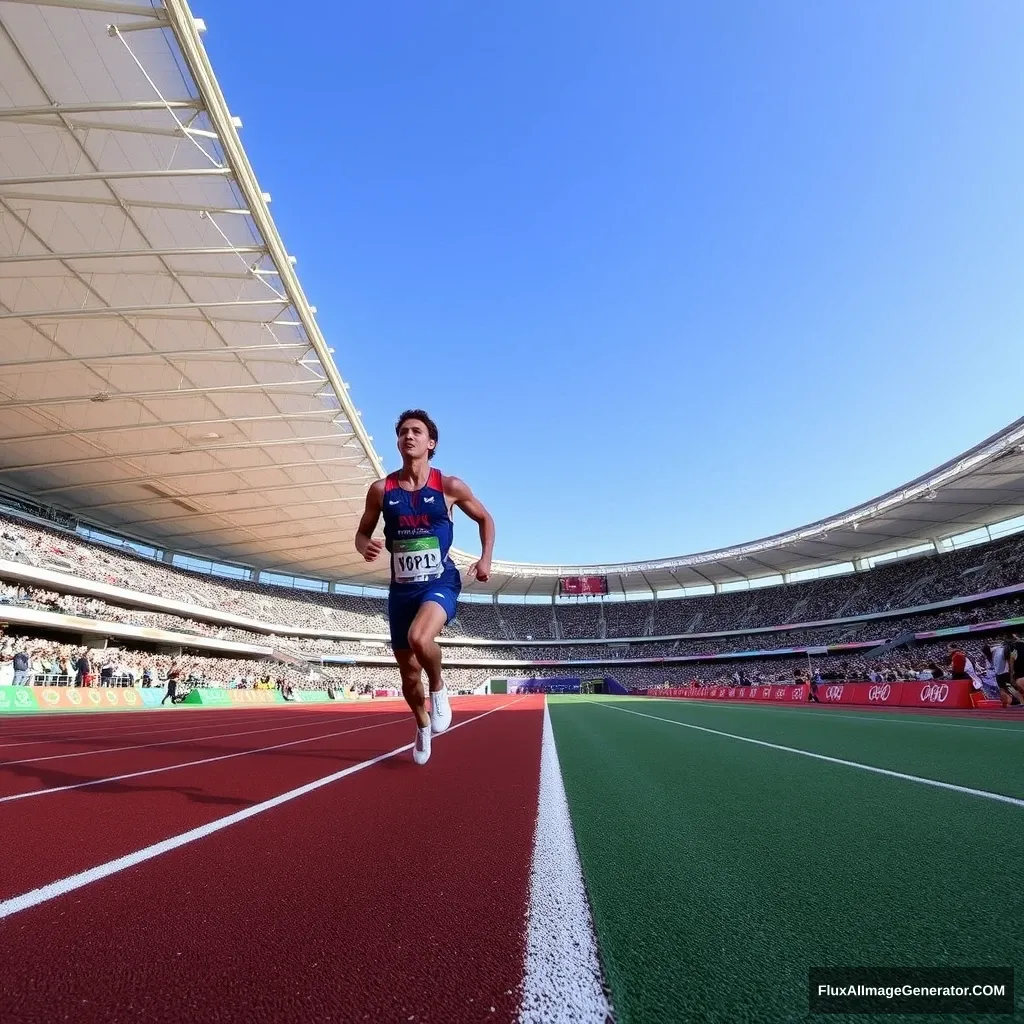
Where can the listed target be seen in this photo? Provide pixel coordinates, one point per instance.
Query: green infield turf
(721, 870)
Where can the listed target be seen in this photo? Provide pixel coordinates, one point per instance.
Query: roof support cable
(245, 263)
(191, 135)
(116, 33)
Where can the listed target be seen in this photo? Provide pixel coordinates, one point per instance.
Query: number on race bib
(417, 560)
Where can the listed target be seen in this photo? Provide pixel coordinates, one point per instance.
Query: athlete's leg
(412, 686)
(402, 610)
(429, 621)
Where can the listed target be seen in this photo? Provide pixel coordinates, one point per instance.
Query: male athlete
(417, 503)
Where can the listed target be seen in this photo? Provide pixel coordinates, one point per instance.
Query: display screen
(568, 585)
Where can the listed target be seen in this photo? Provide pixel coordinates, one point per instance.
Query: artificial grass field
(719, 871)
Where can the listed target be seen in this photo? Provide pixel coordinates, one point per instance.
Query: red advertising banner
(940, 693)
(777, 692)
(860, 693)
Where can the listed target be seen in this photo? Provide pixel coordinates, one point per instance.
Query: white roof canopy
(163, 375)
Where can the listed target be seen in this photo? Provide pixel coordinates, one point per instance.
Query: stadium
(673, 790)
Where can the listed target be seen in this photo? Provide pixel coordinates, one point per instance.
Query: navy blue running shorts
(405, 602)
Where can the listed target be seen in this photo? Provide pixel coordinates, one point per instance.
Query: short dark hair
(419, 414)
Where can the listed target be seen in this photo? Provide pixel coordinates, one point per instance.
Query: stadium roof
(161, 371)
(163, 375)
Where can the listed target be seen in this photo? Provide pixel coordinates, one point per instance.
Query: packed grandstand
(241, 633)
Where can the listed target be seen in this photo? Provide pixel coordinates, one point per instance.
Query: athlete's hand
(373, 549)
(480, 571)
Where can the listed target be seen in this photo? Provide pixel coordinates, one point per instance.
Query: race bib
(417, 560)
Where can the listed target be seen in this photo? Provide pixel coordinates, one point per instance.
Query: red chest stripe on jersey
(413, 521)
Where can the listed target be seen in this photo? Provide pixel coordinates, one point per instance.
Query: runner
(417, 502)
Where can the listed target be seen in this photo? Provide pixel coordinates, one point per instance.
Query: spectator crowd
(626, 630)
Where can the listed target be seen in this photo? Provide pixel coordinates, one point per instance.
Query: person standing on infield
(417, 502)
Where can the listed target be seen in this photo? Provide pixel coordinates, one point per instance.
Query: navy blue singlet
(418, 533)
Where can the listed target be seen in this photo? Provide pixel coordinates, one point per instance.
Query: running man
(417, 502)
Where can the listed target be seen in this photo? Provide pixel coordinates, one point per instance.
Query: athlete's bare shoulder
(375, 495)
(456, 488)
(458, 492)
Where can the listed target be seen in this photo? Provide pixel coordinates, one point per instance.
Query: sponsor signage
(24, 699)
(17, 700)
(942, 693)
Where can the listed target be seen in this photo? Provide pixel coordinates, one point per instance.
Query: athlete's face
(414, 439)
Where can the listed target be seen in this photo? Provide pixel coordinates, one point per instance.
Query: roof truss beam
(157, 14)
(86, 485)
(99, 108)
(47, 121)
(189, 353)
(228, 513)
(106, 311)
(125, 428)
(137, 396)
(200, 495)
(92, 460)
(77, 176)
(127, 204)
(130, 254)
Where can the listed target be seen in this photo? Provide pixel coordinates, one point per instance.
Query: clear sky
(669, 275)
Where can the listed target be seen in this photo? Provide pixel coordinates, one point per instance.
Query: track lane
(395, 894)
(119, 728)
(53, 726)
(120, 747)
(45, 837)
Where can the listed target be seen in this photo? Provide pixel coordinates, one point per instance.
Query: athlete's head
(416, 433)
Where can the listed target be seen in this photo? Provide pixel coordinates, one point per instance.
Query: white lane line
(190, 764)
(562, 979)
(196, 722)
(826, 709)
(999, 797)
(117, 735)
(112, 867)
(85, 715)
(305, 723)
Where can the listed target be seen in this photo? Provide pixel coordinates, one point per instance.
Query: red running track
(397, 893)
(56, 831)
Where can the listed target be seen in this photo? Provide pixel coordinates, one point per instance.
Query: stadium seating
(671, 628)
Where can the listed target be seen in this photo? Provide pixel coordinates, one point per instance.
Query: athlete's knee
(420, 639)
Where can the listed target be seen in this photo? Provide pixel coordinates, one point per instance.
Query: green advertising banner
(217, 698)
(18, 700)
(310, 697)
(208, 698)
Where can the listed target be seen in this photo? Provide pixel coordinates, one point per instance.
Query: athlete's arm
(366, 545)
(465, 499)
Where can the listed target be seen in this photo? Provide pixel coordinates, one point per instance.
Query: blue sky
(669, 275)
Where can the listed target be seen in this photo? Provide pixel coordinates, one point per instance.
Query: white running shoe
(440, 710)
(421, 748)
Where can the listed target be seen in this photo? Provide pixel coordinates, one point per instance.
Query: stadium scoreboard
(573, 585)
